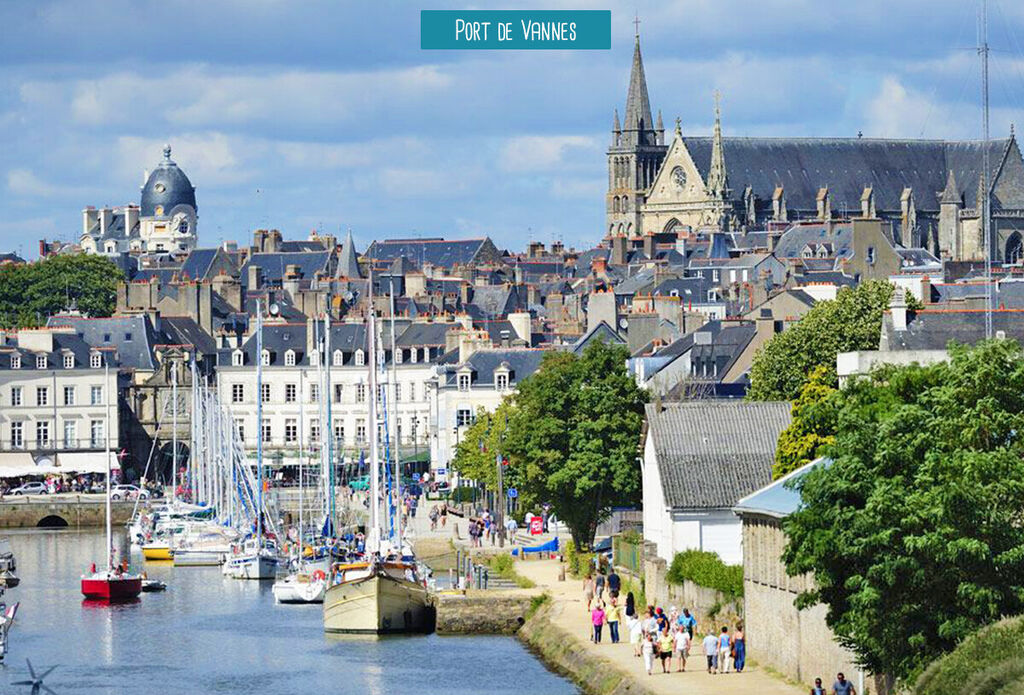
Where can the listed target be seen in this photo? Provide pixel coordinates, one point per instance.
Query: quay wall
(58, 511)
(482, 612)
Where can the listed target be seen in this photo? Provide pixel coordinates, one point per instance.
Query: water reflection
(211, 634)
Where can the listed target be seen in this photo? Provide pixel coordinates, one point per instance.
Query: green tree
(852, 321)
(573, 432)
(475, 455)
(813, 425)
(31, 293)
(914, 533)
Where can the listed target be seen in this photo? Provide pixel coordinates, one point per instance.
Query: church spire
(348, 263)
(718, 181)
(638, 105)
(950, 194)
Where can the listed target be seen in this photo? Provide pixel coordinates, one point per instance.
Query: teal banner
(516, 29)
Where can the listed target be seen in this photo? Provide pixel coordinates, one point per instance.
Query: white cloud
(208, 158)
(540, 152)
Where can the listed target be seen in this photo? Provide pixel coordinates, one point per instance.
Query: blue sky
(306, 115)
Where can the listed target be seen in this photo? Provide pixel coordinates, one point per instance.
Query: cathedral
(929, 190)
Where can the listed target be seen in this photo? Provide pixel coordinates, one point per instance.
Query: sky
(319, 115)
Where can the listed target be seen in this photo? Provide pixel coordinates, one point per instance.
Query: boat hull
(111, 589)
(157, 552)
(377, 604)
(291, 590)
(199, 558)
(251, 567)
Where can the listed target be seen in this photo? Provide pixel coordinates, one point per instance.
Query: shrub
(463, 493)
(706, 569)
(504, 566)
(578, 563)
(989, 661)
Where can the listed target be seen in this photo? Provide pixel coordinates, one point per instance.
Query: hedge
(706, 569)
(989, 661)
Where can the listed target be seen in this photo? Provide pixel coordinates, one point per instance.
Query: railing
(58, 445)
(628, 554)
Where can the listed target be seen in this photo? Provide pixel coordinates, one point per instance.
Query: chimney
(131, 218)
(599, 265)
(255, 277)
(649, 245)
(274, 241)
(466, 321)
(898, 308)
(535, 249)
(229, 289)
(259, 240)
(619, 250)
(521, 323)
(106, 217)
(765, 326)
(292, 276)
(466, 293)
(415, 284)
(557, 248)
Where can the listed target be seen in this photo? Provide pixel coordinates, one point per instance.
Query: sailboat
(384, 593)
(112, 583)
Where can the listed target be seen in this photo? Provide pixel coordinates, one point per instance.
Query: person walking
(599, 585)
(647, 649)
(724, 649)
(689, 622)
(649, 623)
(817, 689)
(843, 686)
(711, 652)
(597, 620)
(614, 583)
(588, 590)
(630, 605)
(682, 648)
(434, 514)
(612, 615)
(739, 649)
(636, 633)
(665, 646)
(444, 514)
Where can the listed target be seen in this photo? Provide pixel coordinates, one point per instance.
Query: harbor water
(211, 634)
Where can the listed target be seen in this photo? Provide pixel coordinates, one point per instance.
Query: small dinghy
(149, 585)
(8, 579)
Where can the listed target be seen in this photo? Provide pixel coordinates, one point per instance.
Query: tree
(852, 321)
(914, 533)
(813, 426)
(574, 426)
(31, 293)
(475, 455)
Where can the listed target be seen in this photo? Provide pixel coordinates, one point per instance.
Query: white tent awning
(16, 464)
(86, 462)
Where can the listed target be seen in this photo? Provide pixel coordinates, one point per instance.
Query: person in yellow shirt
(612, 614)
(665, 646)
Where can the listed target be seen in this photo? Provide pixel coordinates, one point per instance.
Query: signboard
(512, 493)
(536, 526)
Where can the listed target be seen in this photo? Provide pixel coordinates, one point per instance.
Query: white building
(54, 392)
(700, 458)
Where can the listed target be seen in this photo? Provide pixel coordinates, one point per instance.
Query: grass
(536, 603)
(505, 567)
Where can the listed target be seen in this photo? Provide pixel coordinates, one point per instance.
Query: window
(871, 255)
(745, 275)
(237, 393)
(96, 434)
(95, 395)
(398, 393)
(314, 358)
(265, 431)
(289, 393)
(289, 358)
(15, 361)
(464, 417)
(711, 295)
(40, 361)
(413, 355)
(17, 435)
(69, 395)
(501, 382)
(127, 337)
(338, 391)
(382, 393)
(69, 361)
(265, 393)
(15, 395)
(714, 275)
(265, 358)
(464, 380)
(95, 360)
(339, 359)
(42, 395)
(237, 358)
(360, 431)
(240, 429)
(360, 393)
(732, 275)
(398, 356)
(360, 358)
(70, 434)
(314, 432)
(106, 337)
(339, 434)
(314, 393)
(291, 431)
(43, 434)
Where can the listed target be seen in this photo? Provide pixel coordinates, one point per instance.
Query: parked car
(128, 492)
(360, 484)
(30, 489)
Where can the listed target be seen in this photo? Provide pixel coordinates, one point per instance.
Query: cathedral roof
(802, 166)
(167, 187)
(348, 263)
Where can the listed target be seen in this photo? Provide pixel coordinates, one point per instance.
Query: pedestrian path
(569, 612)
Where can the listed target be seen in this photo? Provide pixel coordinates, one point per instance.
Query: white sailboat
(384, 593)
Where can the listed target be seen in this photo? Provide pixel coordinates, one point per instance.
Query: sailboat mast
(174, 432)
(259, 421)
(986, 208)
(108, 394)
(393, 421)
(326, 396)
(371, 344)
(302, 457)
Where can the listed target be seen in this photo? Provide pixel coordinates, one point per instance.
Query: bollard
(487, 576)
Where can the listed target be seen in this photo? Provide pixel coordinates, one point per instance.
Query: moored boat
(301, 587)
(111, 585)
(377, 598)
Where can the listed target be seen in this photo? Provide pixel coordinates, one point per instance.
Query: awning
(17, 464)
(85, 462)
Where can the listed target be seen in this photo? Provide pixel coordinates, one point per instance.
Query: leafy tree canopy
(31, 293)
(852, 321)
(813, 425)
(573, 431)
(475, 455)
(914, 533)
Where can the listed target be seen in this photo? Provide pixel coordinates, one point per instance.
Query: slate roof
(198, 263)
(132, 337)
(933, 329)
(182, 330)
(712, 453)
(272, 265)
(62, 344)
(846, 165)
(521, 361)
(691, 289)
(1006, 294)
(602, 332)
(420, 334)
(838, 237)
(439, 252)
(348, 262)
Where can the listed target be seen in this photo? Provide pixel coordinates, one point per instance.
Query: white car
(30, 489)
(128, 492)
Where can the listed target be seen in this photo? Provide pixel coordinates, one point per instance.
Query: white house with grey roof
(699, 459)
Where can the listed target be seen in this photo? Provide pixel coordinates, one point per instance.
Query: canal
(210, 634)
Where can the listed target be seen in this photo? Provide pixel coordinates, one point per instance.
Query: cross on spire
(636, 24)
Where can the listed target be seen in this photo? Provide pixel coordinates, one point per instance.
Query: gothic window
(615, 204)
(625, 203)
(289, 358)
(360, 358)
(1014, 249)
(237, 358)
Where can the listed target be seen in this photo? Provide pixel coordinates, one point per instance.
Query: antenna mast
(986, 208)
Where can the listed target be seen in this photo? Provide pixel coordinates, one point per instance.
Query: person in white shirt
(711, 651)
(636, 633)
(648, 648)
(682, 648)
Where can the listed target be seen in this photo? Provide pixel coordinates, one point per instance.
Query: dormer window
(398, 356)
(69, 361)
(464, 381)
(338, 358)
(289, 358)
(40, 361)
(501, 381)
(265, 358)
(413, 355)
(314, 358)
(360, 358)
(15, 361)
(95, 360)
(808, 252)
(237, 358)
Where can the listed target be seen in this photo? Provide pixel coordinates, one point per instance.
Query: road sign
(512, 493)
(536, 526)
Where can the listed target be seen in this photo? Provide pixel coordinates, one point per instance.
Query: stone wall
(482, 612)
(72, 510)
(708, 605)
